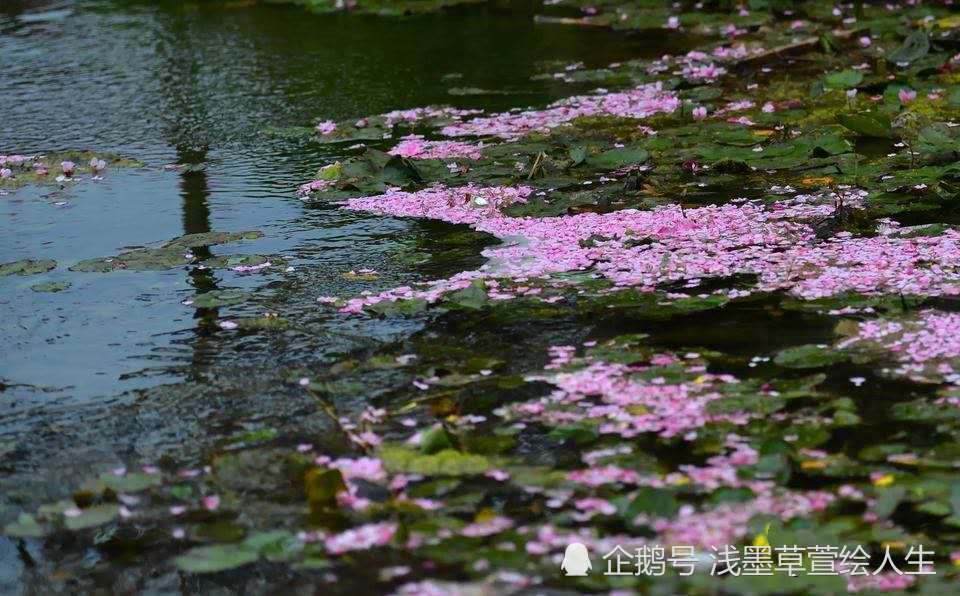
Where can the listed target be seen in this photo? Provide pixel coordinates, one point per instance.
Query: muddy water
(117, 370)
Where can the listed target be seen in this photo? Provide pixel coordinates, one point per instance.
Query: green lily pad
(845, 79)
(618, 158)
(27, 267)
(91, 517)
(211, 559)
(218, 298)
(51, 286)
(914, 47)
(443, 463)
(808, 356)
(868, 124)
(26, 526)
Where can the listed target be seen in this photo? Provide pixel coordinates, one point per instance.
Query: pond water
(702, 317)
(201, 87)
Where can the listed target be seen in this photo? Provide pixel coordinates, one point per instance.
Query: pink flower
(97, 165)
(326, 127)
(699, 113)
(68, 168)
(6, 173)
(211, 502)
(906, 95)
(768, 108)
(673, 23)
(865, 41)
(498, 475)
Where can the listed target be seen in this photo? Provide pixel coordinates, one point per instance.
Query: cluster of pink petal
(608, 394)
(314, 186)
(703, 72)
(12, 160)
(680, 245)
(416, 147)
(926, 344)
(639, 102)
(361, 538)
(416, 114)
(883, 582)
(365, 468)
(489, 527)
(727, 523)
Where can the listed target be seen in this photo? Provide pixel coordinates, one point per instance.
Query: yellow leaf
(761, 539)
(951, 22)
(885, 480)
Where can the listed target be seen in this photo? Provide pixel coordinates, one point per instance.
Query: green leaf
(937, 138)
(808, 356)
(868, 124)
(444, 463)
(27, 267)
(278, 545)
(26, 526)
(577, 155)
(473, 297)
(435, 440)
(916, 46)
(398, 307)
(51, 286)
(128, 483)
(656, 502)
(91, 517)
(617, 158)
(888, 499)
(323, 486)
(844, 79)
(210, 559)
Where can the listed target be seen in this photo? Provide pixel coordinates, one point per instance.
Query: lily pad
(91, 517)
(211, 559)
(443, 463)
(51, 286)
(26, 526)
(27, 267)
(868, 124)
(809, 356)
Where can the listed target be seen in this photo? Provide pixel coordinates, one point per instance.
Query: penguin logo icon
(576, 560)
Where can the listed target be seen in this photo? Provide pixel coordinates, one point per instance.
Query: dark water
(116, 370)
(185, 83)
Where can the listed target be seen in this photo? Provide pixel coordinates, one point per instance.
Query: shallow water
(199, 84)
(116, 369)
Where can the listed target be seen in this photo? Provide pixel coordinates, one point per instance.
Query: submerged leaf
(210, 559)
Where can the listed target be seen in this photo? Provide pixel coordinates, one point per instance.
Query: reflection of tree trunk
(186, 115)
(195, 192)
